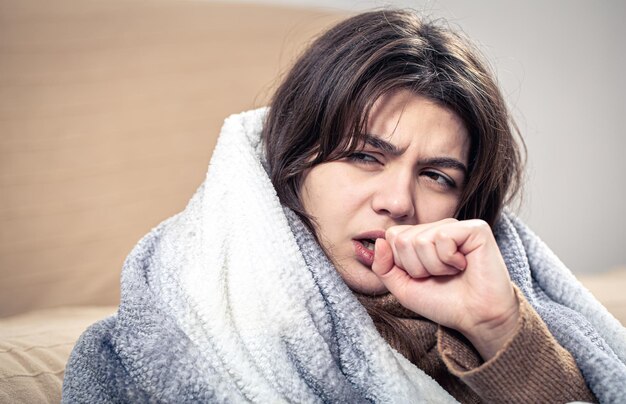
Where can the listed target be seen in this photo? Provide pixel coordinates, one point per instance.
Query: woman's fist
(452, 273)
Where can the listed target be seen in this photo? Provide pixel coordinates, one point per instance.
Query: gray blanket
(233, 301)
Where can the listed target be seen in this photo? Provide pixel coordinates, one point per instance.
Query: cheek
(330, 195)
(318, 193)
(327, 187)
(328, 202)
(436, 207)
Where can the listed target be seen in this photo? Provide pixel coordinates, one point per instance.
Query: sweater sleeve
(531, 367)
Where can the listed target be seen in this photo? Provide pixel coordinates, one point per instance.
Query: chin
(371, 290)
(363, 280)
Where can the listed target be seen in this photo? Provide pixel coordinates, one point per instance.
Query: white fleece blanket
(232, 301)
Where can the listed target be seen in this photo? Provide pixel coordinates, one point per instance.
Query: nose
(394, 197)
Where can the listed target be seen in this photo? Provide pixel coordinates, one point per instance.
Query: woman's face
(411, 170)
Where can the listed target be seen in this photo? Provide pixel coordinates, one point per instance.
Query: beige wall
(109, 111)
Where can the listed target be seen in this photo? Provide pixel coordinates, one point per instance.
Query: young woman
(350, 244)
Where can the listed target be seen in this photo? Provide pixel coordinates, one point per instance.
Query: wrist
(489, 337)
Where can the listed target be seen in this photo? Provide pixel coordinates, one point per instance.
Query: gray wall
(561, 66)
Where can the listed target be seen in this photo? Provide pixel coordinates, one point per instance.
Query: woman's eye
(363, 158)
(440, 179)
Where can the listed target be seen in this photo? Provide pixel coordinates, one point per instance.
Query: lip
(373, 234)
(362, 254)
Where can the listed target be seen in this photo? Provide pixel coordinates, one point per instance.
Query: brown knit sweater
(531, 367)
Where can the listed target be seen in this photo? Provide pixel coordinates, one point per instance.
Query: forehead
(406, 119)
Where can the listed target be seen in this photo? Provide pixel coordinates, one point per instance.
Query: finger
(469, 235)
(415, 252)
(405, 255)
(391, 235)
(383, 257)
(392, 232)
(395, 279)
(447, 251)
(428, 255)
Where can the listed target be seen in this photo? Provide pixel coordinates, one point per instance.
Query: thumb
(395, 279)
(383, 257)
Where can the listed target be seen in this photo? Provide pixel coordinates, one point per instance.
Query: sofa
(109, 111)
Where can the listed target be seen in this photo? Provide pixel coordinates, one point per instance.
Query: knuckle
(421, 242)
(481, 225)
(393, 232)
(418, 272)
(441, 235)
(402, 242)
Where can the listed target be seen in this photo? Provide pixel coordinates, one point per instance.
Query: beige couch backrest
(108, 114)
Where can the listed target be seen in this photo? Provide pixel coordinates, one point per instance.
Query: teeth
(368, 244)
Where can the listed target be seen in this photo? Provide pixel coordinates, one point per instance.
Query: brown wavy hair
(320, 110)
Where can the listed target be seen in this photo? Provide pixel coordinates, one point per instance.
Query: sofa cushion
(608, 288)
(34, 348)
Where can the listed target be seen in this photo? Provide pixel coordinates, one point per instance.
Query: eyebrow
(445, 162)
(440, 162)
(383, 145)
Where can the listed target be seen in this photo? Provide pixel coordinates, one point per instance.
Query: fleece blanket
(232, 300)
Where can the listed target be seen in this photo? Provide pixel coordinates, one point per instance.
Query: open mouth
(364, 246)
(368, 243)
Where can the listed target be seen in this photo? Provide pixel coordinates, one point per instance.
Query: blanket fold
(232, 300)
